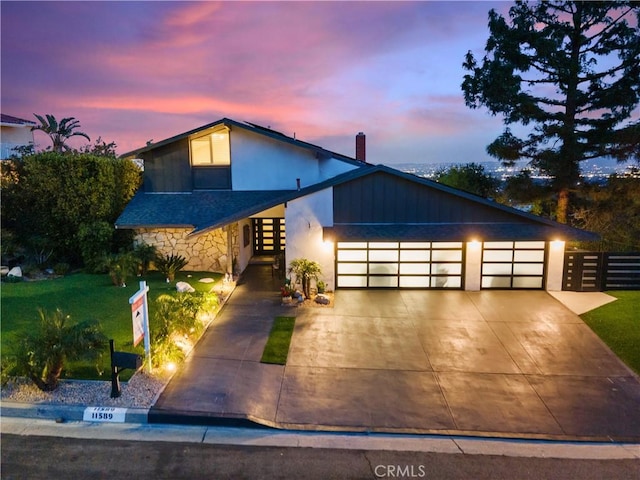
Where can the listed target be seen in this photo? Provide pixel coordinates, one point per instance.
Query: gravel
(140, 391)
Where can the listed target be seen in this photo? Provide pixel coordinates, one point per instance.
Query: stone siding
(205, 252)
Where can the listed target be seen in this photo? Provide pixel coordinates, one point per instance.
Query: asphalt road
(34, 458)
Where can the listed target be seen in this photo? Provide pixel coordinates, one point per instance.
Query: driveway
(497, 363)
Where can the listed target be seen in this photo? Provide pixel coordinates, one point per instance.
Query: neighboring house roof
(252, 127)
(9, 120)
(207, 210)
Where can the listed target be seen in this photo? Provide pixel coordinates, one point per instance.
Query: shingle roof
(15, 120)
(200, 210)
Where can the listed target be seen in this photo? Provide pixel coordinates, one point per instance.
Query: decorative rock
(322, 299)
(207, 280)
(4, 270)
(184, 287)
(15, 272)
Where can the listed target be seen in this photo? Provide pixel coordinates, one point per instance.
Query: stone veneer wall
(205, 252)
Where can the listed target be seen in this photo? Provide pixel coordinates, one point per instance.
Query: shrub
(144, 255)
(61, 268)
(119, 266)
(41, 355)
(94, 241)
(169, 265)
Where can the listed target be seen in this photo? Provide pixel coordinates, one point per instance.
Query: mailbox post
(119, 362)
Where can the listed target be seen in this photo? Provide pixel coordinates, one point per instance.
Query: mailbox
(120, 361)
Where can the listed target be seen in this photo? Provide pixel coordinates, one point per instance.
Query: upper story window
(211, 149)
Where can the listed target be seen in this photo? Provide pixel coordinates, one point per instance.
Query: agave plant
(169, 265)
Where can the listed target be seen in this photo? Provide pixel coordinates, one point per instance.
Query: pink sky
(135, 71)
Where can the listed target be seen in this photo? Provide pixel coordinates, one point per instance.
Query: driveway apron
(494, 363)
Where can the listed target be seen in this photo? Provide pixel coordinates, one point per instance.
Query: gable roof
(208, 210)
(252, 127)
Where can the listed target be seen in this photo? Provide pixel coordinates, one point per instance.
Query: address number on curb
(104, 414)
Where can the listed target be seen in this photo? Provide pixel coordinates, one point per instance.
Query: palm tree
(59, 132)
(42, 354)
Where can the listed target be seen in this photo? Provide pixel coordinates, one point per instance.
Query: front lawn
(86, 296)
(618, 325)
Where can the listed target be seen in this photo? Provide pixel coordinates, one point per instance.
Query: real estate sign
(140, 320)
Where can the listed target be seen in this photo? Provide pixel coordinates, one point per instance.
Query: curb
(64, 413)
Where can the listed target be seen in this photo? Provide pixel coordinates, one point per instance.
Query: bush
(94, 242)
(61, 268)
(304, 270)
(144, 255)
(178, 318)
(41, 355)
(119, 266)
(169, 265)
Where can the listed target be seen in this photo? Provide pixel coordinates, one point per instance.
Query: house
(14, 132)
(225, 192)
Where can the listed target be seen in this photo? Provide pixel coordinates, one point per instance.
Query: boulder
(322, 299)
(15, 272)
(184, 287)
(207, 280)
(4, 270)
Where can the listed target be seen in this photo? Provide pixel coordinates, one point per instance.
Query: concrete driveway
(497, 363)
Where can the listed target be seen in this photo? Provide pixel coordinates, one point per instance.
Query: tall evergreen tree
(571, 71)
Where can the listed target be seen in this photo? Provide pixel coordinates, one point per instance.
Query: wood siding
(212, 178)
(383, 198)
(167, 168)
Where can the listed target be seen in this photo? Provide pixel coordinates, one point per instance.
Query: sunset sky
(136, 71)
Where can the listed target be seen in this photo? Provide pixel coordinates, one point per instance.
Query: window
(211, 149)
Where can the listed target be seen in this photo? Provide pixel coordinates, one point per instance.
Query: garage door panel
(527, 282)
(381, 268)
(415, 268)
(446, 282)
(383, 255)
(528, 268)
(528, 256)
(352, 268)
(383, 281)
(415, 255)
(352, 255)
(446, 255)
(497, 269)
(414, 282)
(446, 268)
(352, 281)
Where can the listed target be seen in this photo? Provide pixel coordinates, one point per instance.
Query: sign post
(140, 319)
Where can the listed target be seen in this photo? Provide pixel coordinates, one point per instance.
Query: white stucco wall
(261, 163)
(244, 253)
(473, 266)
(304, 219)
(555, 265)
(14, 136)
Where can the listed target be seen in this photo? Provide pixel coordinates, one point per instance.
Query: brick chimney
(361, 147)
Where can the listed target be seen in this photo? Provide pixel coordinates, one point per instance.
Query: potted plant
(304, 270)
(286, 292)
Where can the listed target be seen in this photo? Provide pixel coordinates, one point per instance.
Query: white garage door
(399, 264)
(513, 264)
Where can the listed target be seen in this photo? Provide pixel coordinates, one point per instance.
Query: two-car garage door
(399, 264)
(437, 265)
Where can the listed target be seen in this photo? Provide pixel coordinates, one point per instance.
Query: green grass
(85, 296)
(277, 347)
(618, 325)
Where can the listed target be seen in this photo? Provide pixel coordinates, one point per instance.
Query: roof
(252, 127)
(208, 210)
(15, 121)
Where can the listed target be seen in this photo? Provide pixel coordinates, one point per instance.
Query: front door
(268, 236)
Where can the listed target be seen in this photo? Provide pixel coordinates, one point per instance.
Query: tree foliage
(59, 131)
(570, 71)
(471, 178)
(613, 211)
(52, 195)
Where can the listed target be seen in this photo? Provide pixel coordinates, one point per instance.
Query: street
(36, 457)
